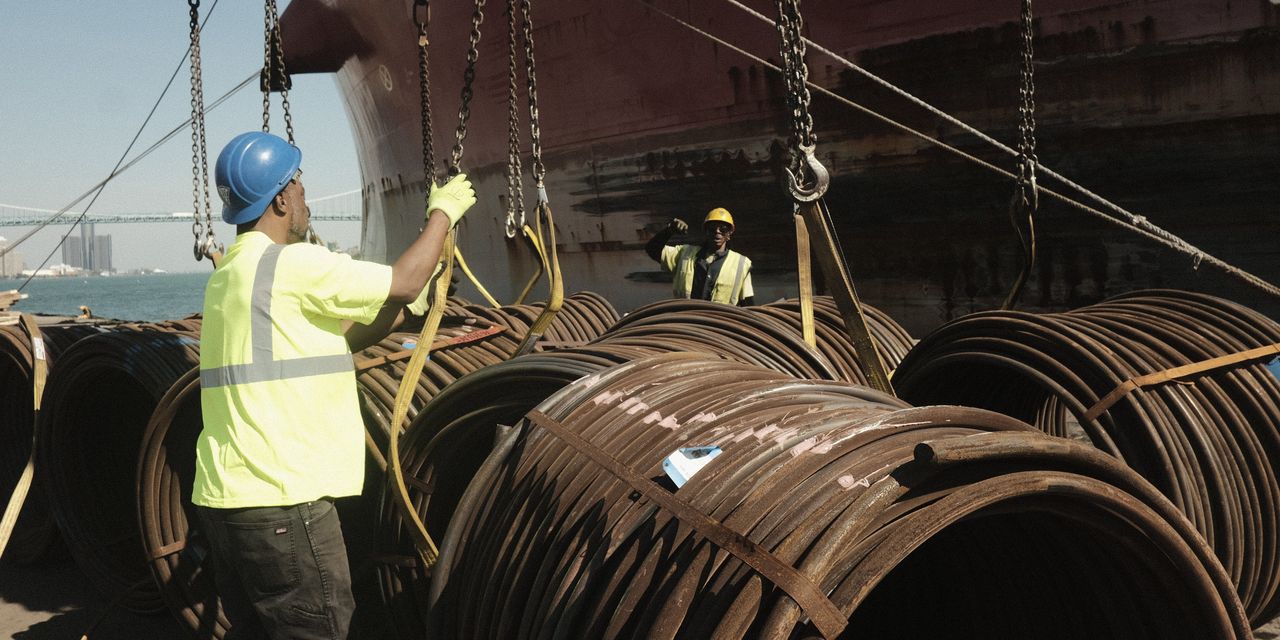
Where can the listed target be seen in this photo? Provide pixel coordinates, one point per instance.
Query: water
(165, 296)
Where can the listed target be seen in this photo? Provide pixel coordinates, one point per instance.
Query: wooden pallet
(7, 299)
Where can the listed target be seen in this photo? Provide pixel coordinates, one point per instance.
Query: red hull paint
(1167, 106)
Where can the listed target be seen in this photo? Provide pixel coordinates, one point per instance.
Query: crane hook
(821, 178)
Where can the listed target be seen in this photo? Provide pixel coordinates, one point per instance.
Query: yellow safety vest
(282, 423)
(733, 283)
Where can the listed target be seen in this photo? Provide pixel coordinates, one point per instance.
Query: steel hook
(821, 178)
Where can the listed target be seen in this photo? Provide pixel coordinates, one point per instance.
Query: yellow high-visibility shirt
(282, 423)
(732, 284)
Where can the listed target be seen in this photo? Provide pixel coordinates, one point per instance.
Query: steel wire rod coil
(35, 533)
(166, 469)
(447, 442)
(725, 330)
(584, 316)
(1209, 443)
(927, 522)
(891, 339)
(97, 403)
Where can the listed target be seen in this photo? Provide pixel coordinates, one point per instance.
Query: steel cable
(1209, 443)
(97, 404)
(35, 533)
(937, 521)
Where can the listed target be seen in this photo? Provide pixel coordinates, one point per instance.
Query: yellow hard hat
(719, 214)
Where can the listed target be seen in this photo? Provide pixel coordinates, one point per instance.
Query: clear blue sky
(77, 81)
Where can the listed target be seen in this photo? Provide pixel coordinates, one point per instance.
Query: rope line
(125, 167)
(1137, 222)
(1134, 223)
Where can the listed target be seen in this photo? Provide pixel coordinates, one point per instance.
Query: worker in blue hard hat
(707, 271)
(282, 430)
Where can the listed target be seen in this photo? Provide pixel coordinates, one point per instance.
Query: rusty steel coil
(584, 316)
(166, 470)
(1210, 443)
(891, 339)
(725, 330)
(35, 533)
(378, 385)
(98, 400)
(446, 444)
(905, 523)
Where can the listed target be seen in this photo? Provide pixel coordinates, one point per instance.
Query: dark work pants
(281, 572)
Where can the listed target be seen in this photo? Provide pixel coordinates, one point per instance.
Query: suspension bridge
(338, 207)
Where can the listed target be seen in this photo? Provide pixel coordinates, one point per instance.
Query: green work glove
(420, 306)
(454, 198)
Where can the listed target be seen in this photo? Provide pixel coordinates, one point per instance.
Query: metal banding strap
(824, 613)
(737, 278)
(1178, 373)
(262, 365)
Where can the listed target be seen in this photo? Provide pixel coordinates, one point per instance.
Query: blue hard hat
(251, 170)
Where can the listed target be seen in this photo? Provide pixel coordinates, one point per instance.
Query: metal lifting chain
(543, 214)
(424, 88)
(272, 44)
(538, 169)
(202, 227)
(1026, 197)
(796, 75)
(515, 183)
(468, 79)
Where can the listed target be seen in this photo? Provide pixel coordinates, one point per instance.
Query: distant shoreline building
(89, 252)
(11, 264)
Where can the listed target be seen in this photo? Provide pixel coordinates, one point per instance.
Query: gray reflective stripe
(683, 279)
(260, 325)
(276, 370)
(737, 279)
(262, 365)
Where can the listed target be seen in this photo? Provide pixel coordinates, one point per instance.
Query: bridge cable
(1134, 223)
(116, 170)
(129, 165)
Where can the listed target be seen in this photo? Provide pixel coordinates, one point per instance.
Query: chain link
(266, 69)
(202, 225)
(424, 90)
(796, 76)
(271, 64)
(1027, 110)
(515, 183)
(468, 79)
(539, 170)
(807, 178)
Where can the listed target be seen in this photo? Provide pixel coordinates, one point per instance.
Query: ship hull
(1168, 108)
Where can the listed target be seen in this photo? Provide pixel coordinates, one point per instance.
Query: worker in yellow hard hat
(708, 271)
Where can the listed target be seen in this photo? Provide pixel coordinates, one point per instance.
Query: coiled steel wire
(166, 469)
(445, 445)
(929, 522)
(35, 533)
(584, 316)
(96, 405)
(733, 332)
(1210, 444)
(891, 339)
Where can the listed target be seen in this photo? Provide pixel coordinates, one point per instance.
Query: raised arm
(657, 242)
